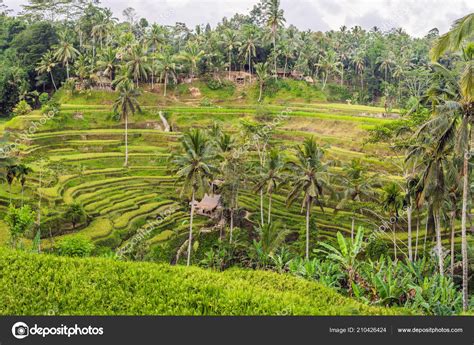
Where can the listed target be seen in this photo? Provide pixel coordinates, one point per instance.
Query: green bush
(99, 286)
(43, 98)
(22, 108)
(76, 246)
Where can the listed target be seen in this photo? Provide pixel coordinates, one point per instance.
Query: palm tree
(271, 178)
(359, 63)
(46, 65)
(462, 29)
(126, 104)
(452, 205)
(386, 62)
(11, 175)
(137, 63)
(358, 187)
(274, 17)
(167, 66)
(262, 76)
(192, 54)
(328, 65)
(194, 168)
(231, 41)
(232, 169)
(392, 202)
(155, 38)
(108, 62)
(286, 49)
(309, 174)
(249, 45)
(21, 174)
(65, 52)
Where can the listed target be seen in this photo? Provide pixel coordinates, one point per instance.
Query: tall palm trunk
(308, 210)
(250, 67)
(465, 268)
(190, 238)
(426, 232)
(166, 83)
(231, 224)
(230, 63)
(269, 208)
(39, 210)
(453, 218)
(274, 51)
(261, 92)
(439, 246)
(67, 69)
(261, 207)
(417, 232)
(52, 79)
(352, 227)
(410, 250)
(394, 239)
(126, 141)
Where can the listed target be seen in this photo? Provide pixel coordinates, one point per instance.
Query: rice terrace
(248, 168)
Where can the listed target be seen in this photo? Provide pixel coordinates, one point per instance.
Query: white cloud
(417, 17)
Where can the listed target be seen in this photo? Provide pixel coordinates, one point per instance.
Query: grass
(105, 287)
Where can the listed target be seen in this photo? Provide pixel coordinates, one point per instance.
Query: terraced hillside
(77, 157)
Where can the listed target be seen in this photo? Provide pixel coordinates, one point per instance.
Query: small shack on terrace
(209, 205)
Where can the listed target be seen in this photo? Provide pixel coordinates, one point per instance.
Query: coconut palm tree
(309, 176)
(358, 61)
(232, 170)
(274, 18)
(46, 65)
(192, 55)
(11, 175)
(386, 62)
(434, 160)
(358, 188)
(271, 178)
(195, 170)
(262, 75)
(137, 63)
(65, 52)
(167, 67)
(392, 202)
(125, 105)
(462, 30)
(107, 62)
(21, 174)
(155, 38)
(230, 40)
(249, 44)
(328, 64)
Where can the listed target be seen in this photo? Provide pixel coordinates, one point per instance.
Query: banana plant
(346, 254)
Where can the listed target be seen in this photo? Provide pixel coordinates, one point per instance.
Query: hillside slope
(32, 284)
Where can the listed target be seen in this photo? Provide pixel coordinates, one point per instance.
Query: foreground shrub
(32, 284)
(76, 246)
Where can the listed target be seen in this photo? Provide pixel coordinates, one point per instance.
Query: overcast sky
(417, 17)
